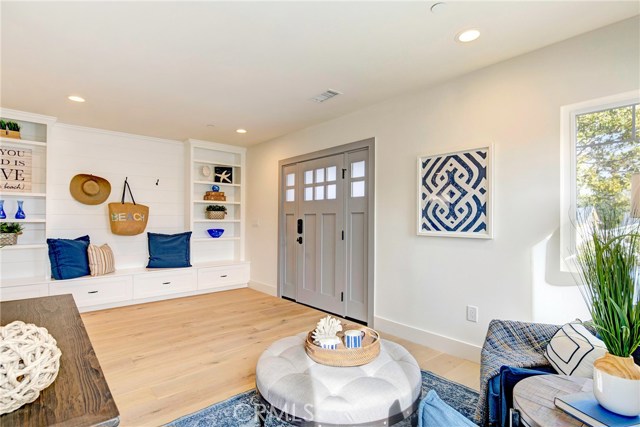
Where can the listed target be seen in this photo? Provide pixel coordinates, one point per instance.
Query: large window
(601, 151)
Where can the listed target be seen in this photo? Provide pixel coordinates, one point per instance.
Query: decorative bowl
(215, 232)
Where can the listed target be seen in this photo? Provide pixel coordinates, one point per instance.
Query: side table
(534, 398)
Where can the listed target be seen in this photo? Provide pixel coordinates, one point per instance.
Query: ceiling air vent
(326, 95)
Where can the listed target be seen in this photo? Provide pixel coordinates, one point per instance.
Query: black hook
(157, 181)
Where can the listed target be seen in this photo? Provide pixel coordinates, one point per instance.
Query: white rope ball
(29, 363)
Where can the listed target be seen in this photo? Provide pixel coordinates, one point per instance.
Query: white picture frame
(455, 194)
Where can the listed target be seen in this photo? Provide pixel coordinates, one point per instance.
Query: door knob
(299, 240)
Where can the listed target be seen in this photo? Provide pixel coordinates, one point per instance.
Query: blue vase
(20, 213)
(3, 215)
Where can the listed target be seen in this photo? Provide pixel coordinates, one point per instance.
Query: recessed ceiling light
(438, 7)
(211, 125)
(467, 36)
(76, 98)
(241, 130)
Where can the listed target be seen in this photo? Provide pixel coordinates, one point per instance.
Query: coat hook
(158, 181)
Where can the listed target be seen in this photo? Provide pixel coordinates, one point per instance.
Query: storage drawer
(95, 291)
(163, 283)
(24, 292)
(215, 277)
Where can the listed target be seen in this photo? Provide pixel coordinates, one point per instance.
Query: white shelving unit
(27, 261)
(230, 246)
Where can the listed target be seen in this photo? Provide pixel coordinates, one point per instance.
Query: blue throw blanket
(510, 343)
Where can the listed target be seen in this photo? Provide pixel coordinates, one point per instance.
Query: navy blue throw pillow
(169, 250)
(69, 257)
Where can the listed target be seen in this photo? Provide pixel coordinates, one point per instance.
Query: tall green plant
(607, 259)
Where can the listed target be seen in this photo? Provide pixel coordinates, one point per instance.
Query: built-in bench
(134, 286)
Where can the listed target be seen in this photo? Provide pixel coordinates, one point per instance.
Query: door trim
(369, 144)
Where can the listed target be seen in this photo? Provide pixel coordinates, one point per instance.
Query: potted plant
(9, 232)
(608, 262)
(10, 129)
(216, 211)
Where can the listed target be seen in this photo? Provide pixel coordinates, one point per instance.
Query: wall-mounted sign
(15, 169)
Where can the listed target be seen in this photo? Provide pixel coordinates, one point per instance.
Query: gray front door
(324, 227)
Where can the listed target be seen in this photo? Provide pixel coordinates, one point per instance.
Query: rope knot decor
(29, 363)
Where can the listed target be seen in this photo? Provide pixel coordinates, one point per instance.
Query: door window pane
(319, 175)
(331, 173)
(308, 194)
(331, 192)
(308, 177)
(357, 189)
(291, 179)
(357, 169)
(290, 197)
(320, 192)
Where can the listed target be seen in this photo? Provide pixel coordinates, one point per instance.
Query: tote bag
(128, 219)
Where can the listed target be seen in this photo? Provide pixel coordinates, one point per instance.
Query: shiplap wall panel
(115, 156)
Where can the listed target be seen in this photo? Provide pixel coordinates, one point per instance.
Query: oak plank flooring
(166, 359)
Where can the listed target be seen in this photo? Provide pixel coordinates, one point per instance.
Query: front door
(324, 233)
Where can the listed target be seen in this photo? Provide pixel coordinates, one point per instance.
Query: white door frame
(369, 144)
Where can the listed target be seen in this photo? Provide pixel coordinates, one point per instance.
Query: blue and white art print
(455, 194)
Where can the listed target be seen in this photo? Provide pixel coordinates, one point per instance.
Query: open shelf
(21, 194)
(215, 202)
(216, 239)
(221, 184)
(26, 220)
(216, 220)
(5, 140)
(211, 162)
(19, 246)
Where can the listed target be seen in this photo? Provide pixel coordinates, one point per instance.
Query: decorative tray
(343, 356)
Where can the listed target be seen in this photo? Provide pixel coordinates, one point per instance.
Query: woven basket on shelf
(216, 214)
(343, 356)
(8, 239)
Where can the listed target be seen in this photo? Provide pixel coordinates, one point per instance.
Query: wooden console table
(80, 395)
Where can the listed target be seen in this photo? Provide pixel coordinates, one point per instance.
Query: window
(601, 151)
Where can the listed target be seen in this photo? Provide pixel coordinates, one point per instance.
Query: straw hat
(89, 189)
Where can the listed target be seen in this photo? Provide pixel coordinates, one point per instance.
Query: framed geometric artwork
(454, 194)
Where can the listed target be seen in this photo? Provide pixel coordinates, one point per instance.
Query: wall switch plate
(472, 313)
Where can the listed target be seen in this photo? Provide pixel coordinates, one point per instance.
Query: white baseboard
(264, 288)
(432, 340)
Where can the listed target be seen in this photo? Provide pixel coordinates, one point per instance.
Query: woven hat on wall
(89, 189)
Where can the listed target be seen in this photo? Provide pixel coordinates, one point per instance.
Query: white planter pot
(615, 393)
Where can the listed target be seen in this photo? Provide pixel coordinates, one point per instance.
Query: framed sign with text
(15, 169)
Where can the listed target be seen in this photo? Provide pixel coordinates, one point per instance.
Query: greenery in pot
(216, 208)
(607, 259)
(9, 125)
(11, 227)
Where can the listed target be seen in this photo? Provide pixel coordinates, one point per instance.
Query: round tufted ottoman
(294, 387)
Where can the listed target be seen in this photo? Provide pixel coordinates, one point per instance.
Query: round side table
(534, 398)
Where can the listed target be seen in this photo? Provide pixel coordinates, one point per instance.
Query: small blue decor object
(215, 188)
(3, 215)
(20, 213)
(215, 232)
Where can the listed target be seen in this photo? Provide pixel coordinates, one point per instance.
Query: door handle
(299, 240)
(92, 292)
(299, 226)
(166, 283)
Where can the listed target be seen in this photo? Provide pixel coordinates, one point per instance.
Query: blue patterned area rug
(239, 411)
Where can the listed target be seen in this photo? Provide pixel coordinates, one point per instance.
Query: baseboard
(264, 288)
(432, 340)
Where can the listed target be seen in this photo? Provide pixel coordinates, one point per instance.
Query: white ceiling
(168, 69)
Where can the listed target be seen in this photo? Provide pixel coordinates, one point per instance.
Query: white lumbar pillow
(573, 349)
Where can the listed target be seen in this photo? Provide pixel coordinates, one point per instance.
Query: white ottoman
(382, 392)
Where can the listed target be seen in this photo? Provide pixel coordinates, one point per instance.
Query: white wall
(425, 282)
(114, 156)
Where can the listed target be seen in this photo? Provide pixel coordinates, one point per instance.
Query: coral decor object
(327, 327)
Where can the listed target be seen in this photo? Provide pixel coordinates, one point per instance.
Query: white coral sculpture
(327, 327)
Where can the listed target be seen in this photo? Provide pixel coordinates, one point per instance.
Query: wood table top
(534, 397)
(79, 396)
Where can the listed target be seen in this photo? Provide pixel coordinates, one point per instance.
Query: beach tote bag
(128, 219)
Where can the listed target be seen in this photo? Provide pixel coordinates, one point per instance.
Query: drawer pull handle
(224, 275)
(93, 292)
(166, 283)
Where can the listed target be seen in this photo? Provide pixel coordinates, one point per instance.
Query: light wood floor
(166, 359)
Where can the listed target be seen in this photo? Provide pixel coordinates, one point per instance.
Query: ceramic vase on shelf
(3, 215)
(616, 384)
(20, 212)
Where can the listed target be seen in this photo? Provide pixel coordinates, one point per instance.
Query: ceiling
(169, 69)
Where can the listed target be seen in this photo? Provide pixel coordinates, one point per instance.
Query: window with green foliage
(607, 153)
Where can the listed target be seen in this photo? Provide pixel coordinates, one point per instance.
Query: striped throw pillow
(101, 260)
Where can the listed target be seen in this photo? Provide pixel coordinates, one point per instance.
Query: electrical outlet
(472, 313)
